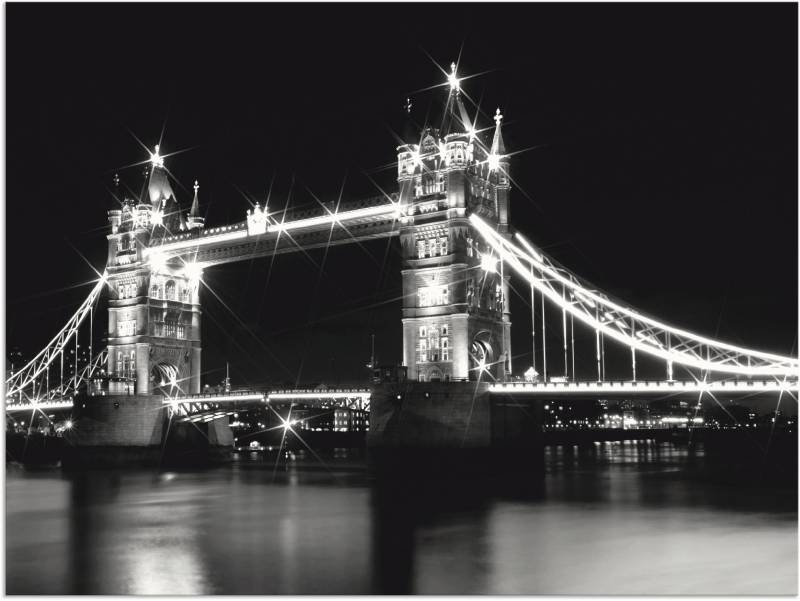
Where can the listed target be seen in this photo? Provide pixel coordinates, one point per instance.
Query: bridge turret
(455, 317)
(195, 220)
(154, 307)
(497, 163)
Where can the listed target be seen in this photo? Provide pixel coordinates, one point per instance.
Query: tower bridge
(460, 249)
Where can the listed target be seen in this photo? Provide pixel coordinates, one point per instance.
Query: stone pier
(114, 431)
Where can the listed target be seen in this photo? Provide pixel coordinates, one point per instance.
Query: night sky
(662, 164)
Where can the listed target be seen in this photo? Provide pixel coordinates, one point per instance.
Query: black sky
(664, 168)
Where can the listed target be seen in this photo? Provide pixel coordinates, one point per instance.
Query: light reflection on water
(613, 518)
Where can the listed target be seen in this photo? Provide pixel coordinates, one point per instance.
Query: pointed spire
(156, 159)
(498, 146)
(195, 211)
(118, 193)
(159, 188)
(456, 119)
(195, 220)
(452, 78)
(144, 197)
(410, 128)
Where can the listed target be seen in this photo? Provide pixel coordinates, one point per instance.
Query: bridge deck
(367, 219)
(647, 389)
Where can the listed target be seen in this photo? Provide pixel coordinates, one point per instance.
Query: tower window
(469, 247)
(443, 245)
(423, 332)
(126, 327)
(420, 249)
(431, 296)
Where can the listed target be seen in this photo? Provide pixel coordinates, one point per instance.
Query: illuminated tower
(154, 307)
(455, 316)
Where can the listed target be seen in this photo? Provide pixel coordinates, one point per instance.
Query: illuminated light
(68, 424)
(193, 271)
(452, 79)
(157, 217)
(156, 159)
(488, 263)
(222, 398)
(531, 375)
(493, 161)
(529, 248)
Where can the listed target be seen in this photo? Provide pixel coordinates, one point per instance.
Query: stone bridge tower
(154, 307)
(456, 321)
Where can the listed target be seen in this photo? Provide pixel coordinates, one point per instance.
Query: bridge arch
(165, 379)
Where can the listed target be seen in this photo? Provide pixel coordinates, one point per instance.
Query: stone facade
(456, 321)
(154, 305)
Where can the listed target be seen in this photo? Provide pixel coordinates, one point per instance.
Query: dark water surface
(612, 518)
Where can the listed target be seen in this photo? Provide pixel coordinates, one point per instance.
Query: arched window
(170, 290)
(133, 363)
(119, 363)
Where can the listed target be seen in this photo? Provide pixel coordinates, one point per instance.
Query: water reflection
(613, 518)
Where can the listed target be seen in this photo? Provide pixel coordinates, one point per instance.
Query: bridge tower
(154, 306)
(456, 320)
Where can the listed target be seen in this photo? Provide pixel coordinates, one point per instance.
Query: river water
(611, 518)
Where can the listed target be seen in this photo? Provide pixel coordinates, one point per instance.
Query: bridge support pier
(452, 427)
(139, 430)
